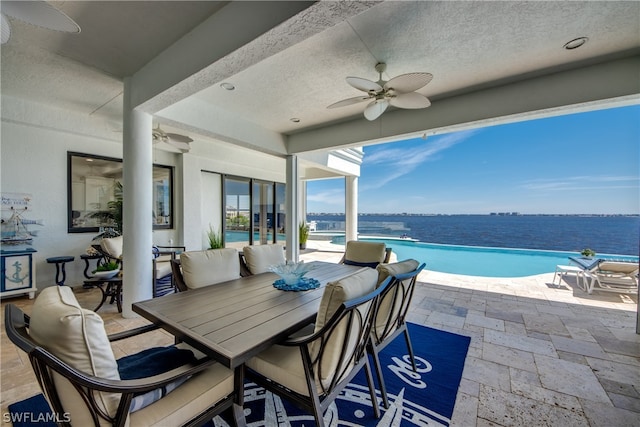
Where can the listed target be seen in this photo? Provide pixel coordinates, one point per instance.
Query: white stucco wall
(34, 141)
(34, 161)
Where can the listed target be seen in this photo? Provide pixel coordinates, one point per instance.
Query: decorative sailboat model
(15, 230)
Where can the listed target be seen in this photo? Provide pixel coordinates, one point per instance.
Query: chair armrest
(177, 275)
(136, 386)
(132, 332)
(387, 255)
(244, 269)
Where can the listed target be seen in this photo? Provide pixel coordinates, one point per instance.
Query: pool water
(487, 262)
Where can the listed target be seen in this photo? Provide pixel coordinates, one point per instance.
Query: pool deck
(540, 354)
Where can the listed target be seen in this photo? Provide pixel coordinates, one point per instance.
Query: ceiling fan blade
(166, 145)
(41, 14)
(408, 82)
(349, 101)
(375, 109)
(179, 138)
(5, 27)
(364, 84)
(182, 146)
(410, 100)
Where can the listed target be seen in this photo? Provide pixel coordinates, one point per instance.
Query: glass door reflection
(237, 212)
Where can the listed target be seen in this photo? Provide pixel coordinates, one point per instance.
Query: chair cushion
(387, 308)
(393, 269)
(150, 362)
(112, 246)
(336, 293)
(618, 267)
(364, 254)
(204, 268)
(260, 257)
(163, 268)
(283, 364)
(199, 393)
(77, 336)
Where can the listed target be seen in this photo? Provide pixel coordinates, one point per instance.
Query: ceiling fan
(39, 13)
(181, 142)
(399, 92)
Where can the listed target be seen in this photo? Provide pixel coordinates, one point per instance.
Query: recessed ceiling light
(575, 43)
(295, 120)
(227, 86)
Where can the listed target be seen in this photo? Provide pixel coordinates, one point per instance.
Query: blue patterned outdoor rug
(425, 398)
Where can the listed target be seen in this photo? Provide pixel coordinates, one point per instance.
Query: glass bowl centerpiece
(292, 276)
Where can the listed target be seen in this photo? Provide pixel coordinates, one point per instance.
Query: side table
(87, 258)
(109, 287)
(60, 261)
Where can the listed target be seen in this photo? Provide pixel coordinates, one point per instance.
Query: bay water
(603, 234)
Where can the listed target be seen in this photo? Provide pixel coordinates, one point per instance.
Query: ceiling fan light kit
(399, 92)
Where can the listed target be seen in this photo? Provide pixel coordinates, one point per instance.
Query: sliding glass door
(237, 212)
(263, 213)
(280, 213)
(254, 212)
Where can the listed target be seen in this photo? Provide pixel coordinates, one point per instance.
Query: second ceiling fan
(400, 92)
(181, 142)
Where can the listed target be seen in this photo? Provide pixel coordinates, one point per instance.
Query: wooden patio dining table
(235, 320)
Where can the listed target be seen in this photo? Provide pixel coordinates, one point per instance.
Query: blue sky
(585, 163)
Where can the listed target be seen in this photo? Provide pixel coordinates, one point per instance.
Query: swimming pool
(480, 261)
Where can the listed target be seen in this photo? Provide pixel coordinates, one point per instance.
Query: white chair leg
(590, 283)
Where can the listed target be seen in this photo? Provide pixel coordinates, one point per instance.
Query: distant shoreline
(489, 214)
(612, 234)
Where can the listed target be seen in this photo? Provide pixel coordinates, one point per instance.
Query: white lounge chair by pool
(613, 276)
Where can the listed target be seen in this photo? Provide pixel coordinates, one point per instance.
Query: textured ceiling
(467, 46)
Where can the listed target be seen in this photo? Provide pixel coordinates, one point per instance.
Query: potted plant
(303, 234)
(587, 253)
(107, 270)
(215, 238)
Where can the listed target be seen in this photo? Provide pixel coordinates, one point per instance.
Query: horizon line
(478, 214)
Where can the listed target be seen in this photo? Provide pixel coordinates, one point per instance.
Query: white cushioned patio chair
(197, 269)
(311, 370)
(73, 361)
(365, 254)
(612, 276)
(162, 280)
(259, 258)
(391, 315)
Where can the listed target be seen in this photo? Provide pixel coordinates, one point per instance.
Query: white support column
(137, 185)
(351, 207)
(292, 209)
(302, 200)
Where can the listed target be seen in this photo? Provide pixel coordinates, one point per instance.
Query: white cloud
(575, 183)
(402, 161)
(328, 197)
